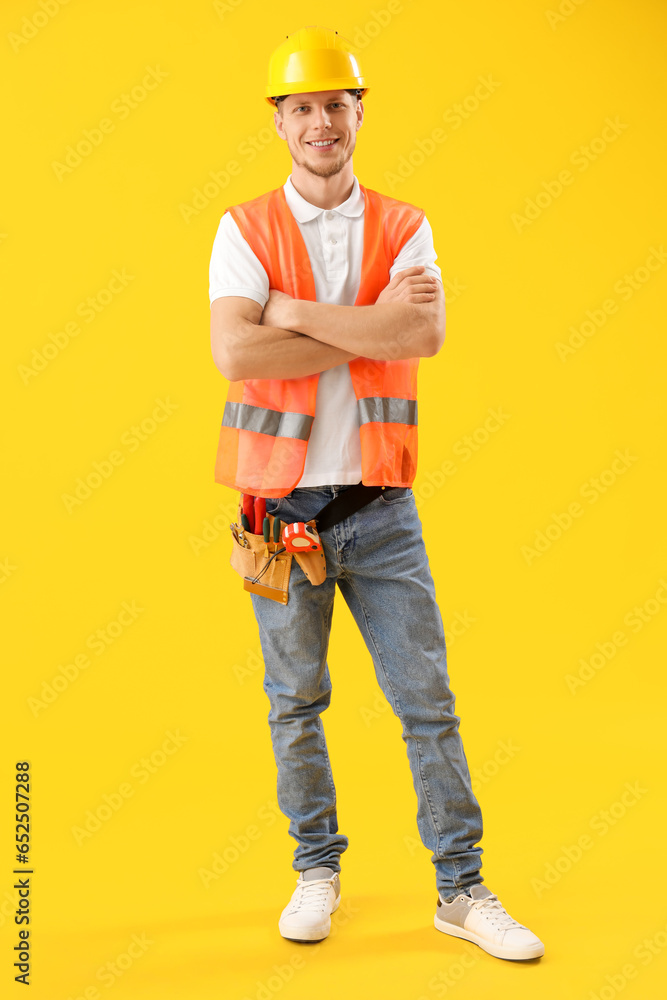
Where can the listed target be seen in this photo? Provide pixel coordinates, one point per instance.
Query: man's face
(331, 116)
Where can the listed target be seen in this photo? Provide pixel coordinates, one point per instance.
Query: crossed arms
(290, 337)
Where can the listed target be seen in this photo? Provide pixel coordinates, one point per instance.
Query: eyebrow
(334, 100)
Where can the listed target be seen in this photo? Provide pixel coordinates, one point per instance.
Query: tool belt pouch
(251, 563)
(313, 564)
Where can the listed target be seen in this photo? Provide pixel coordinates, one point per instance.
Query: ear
(278, 122)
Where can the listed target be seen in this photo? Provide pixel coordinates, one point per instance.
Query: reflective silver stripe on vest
(255, 418)
(387, 410)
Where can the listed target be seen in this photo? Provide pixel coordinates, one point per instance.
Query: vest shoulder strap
(401, 220)
(252, 205)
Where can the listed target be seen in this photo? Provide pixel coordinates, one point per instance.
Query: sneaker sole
(536, 951)
(308, 933)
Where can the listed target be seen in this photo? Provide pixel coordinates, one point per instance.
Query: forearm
(384, 331)
(270, 352)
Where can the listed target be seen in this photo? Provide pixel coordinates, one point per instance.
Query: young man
(324, 295)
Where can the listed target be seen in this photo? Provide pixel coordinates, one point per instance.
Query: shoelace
(492, 907)
(311, 895)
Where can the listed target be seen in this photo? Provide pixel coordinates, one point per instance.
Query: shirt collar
(303, 211)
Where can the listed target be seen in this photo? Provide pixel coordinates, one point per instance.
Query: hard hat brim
(316, 87)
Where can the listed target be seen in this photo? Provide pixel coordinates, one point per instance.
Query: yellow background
(187, 662)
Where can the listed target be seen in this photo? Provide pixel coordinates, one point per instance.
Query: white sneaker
(307, 916)
(482, 919)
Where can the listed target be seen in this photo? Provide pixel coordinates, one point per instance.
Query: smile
(322, 143)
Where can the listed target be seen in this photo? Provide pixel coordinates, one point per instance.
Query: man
(324, 295)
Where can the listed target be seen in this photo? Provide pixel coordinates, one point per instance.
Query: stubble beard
(325, 169)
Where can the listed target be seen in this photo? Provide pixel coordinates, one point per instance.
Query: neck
(324, 192)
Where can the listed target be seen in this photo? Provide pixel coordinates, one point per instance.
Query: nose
(322, 119)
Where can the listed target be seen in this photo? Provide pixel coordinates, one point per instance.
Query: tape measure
(301, 537)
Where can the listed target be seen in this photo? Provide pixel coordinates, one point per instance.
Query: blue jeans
(378, 559)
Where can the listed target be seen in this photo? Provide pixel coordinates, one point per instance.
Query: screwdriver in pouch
(266, 527)
(276, 530)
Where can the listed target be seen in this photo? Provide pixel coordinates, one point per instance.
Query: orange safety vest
(267, 421)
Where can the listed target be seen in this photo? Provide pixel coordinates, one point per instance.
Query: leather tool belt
(268, 574)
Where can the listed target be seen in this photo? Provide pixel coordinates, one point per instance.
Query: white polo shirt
(334, 240)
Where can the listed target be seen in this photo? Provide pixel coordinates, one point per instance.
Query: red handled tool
(254, 509)
(260, 514)
(249, 510)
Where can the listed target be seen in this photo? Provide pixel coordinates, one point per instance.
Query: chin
(327, 169)
(333, 168)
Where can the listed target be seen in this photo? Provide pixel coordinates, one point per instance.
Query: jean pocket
(396, 494)
(275, 504)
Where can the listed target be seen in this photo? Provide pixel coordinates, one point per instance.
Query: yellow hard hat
(313, 59)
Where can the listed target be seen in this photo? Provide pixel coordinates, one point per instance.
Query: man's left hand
(275, 313)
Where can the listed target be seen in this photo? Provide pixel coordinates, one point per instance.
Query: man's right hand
(410, 285)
